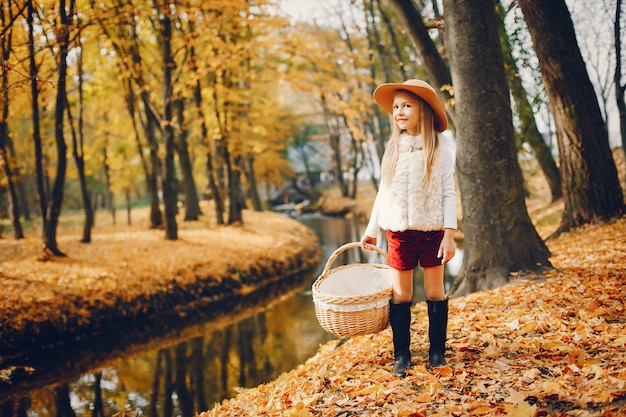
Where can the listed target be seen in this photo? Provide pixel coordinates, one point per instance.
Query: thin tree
(34, 93)
(619, 87)
(121, 29)
(169, 176)
(192, 203)
(528, 126)
(591, 187)
(56, 197)
(434, 65)
(216, 193)
(499, 235)
(77, 145)
(5, 160)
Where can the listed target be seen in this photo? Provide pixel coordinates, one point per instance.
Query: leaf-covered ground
(541, 346)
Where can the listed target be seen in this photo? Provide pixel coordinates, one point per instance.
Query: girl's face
(405, 112)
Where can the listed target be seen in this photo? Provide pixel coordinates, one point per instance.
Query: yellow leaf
(407, 408)
(299, 411)
(515, 398)
(551, 387)
(424, 397)
(529, 327)
(369, 390)
(481, 410)
(522, 409)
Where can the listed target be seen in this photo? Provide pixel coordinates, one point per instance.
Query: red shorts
(410, 248)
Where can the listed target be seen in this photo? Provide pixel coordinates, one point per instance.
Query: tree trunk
(168, 181)
(592, 191)
(80, 160)
(154, 167)
(192, 205)
(528, 127)
(56, 198)
(221, 151)
(208, 142)
(235, 196)
(253, 190)
(128, 207)
(499, 236)
(34, 92)
(400, 60)
(78, 152)
(109, 197)
(619, 87)
(14, 208)
(5, 160)
(436, 68)
(131, 62)
(335, 141)
(210, 170)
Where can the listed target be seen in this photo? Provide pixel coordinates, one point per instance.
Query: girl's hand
(447, 246)
(367, 241)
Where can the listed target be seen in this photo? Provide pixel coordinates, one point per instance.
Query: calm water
(193, 367)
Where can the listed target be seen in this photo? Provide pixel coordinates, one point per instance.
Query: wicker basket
(353, 300)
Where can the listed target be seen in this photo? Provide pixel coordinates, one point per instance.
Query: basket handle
(343, 248)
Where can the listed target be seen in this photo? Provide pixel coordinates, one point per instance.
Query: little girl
(416, 205)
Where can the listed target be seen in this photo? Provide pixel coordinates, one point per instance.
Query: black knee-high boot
(400, 319)
(438, 326)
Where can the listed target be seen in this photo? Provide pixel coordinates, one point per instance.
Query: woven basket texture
(353, 300)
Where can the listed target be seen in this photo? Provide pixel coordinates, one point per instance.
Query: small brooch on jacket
(415, 148)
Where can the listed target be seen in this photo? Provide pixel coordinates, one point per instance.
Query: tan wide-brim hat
(385, 93)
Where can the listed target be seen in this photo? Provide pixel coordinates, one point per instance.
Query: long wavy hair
(426, 128)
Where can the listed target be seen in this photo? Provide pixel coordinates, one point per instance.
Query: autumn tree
(528, 130)
(196, 77)
(164, 11)
(6, 16)
(34, 90)
(78, 141)
(118, 24)
(620, 88)
(499, 235)
(436, 68)
(338, 83)
(591, 188)
(56, 196)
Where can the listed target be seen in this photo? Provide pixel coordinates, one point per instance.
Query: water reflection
(200, 365)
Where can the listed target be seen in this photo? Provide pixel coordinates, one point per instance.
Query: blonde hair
(426, 128)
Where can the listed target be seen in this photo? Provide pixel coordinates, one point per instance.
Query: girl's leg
(437, 315)
(433, 283)
(400, 320)
(402, 286)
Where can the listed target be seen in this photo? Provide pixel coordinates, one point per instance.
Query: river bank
(129, 277)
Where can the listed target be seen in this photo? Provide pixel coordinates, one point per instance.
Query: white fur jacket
(405, 204)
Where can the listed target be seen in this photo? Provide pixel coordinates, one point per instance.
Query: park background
(170, 106)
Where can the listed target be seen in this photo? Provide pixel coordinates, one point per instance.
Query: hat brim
(385, 93)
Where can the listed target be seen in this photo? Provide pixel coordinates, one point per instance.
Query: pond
(194, 367)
